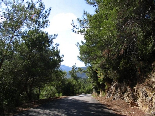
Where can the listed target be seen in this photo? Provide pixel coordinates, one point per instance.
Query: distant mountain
(67, 69)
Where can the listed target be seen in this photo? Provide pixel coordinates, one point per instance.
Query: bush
(48, 92)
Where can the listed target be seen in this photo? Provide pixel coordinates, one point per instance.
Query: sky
(62, 14)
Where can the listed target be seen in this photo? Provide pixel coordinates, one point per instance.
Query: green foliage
(73, 72)
(28, 59)
(48, 92)
(85, 85)
(74, 87)
(119, 41)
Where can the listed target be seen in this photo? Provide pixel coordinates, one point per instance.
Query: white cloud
(61, 22)
(69, 49)
(70, 52)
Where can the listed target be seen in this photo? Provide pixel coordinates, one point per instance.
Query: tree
(119, 40)
(73, 72)
(40, 60)
(138, 39)
(76, 85)
(28, 58)
(34, 64)
(100, 39)
(19, 17)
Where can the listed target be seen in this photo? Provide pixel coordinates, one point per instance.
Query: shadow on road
(69, 107)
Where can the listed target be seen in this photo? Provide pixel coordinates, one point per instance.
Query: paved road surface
(82, 105)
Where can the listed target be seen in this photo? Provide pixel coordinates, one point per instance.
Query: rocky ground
(121, 107)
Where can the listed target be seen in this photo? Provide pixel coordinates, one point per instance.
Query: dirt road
(82, 105)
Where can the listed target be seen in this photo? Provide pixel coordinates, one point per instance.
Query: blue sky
(62, 14)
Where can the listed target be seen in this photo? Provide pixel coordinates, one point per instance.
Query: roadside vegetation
(29, 60)
(119, 41)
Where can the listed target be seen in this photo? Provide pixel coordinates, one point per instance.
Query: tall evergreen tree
(119, 39)
(28, 57)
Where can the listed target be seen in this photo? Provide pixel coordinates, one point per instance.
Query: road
(82, 105)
